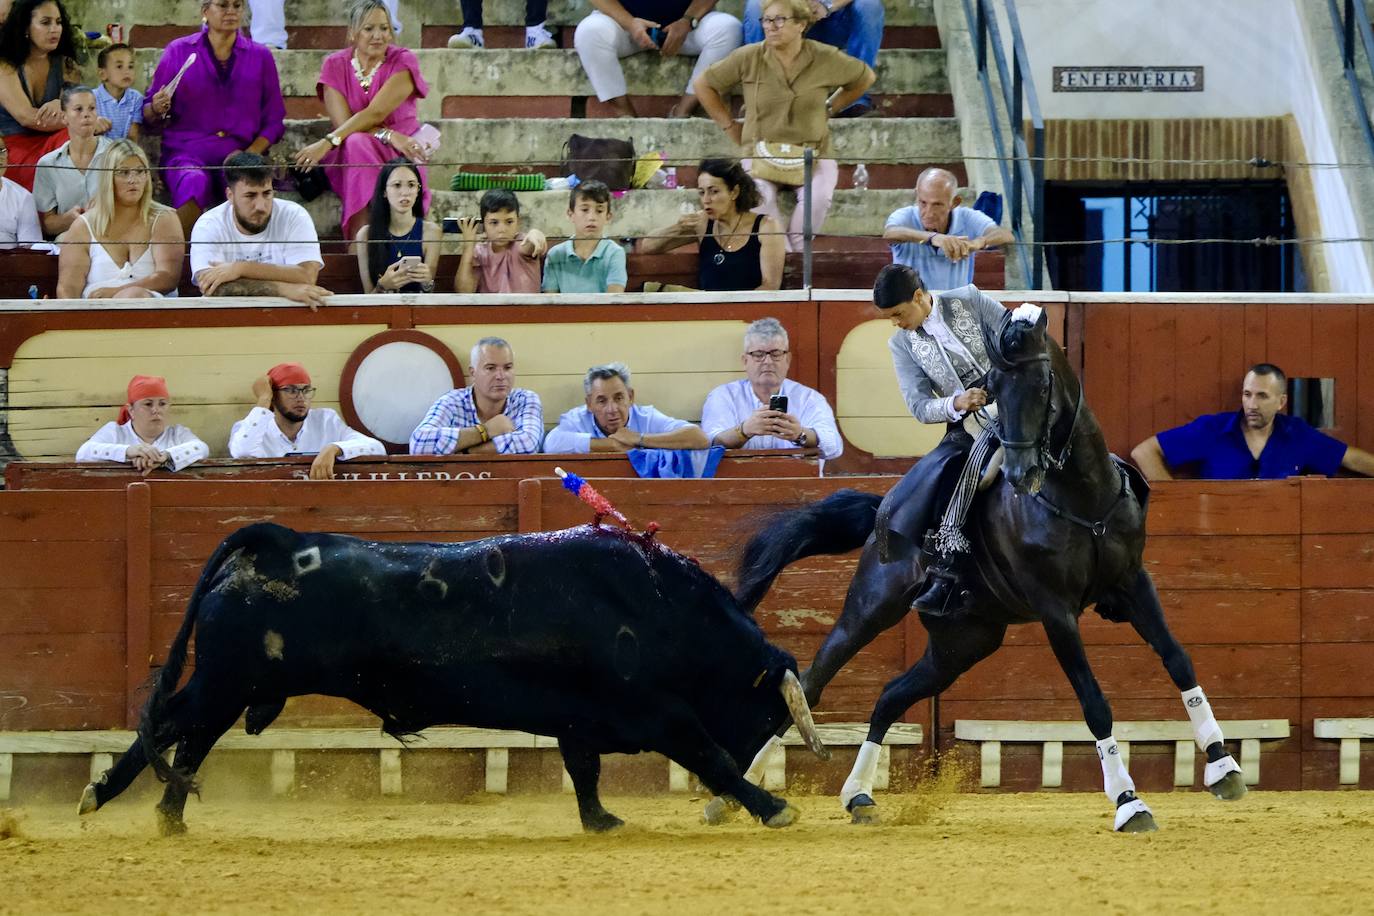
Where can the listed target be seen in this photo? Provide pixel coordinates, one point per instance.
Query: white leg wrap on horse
(860, 781)
(1206, 731)
(1115, 779)
(1218, 769)
(1129, 810)
(754, 774)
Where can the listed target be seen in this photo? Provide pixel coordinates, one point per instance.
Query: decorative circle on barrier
(391, 380)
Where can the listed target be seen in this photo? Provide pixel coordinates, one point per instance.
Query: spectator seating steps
(506, 72)
(417, 16)
(1349, 732)
(837, 263)
(852, 213)
(283, 743)
(532, 141)
(1051, 737)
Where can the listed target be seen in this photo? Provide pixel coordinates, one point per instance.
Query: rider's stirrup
(942, 594)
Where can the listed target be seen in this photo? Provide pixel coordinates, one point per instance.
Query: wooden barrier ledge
(285, 742)
(69, 475)
(1051, 736)
(1349, 732)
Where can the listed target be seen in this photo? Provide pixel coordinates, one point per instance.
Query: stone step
(523, 73)
(93, 15)
(539, 141)
(637, 213)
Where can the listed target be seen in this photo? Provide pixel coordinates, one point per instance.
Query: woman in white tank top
(125, 246)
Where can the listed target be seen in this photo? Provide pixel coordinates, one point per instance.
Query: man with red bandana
(283, 423)
(143, 436)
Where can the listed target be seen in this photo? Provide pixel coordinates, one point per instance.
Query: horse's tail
(164, 683)
(837, 524)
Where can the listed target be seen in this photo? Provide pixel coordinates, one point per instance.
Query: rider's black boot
(942, 594)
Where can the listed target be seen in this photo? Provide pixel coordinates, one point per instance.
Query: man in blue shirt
(1258, 442)
(936, 237)
(612, 422)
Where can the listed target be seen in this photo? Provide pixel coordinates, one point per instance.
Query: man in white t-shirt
(253, 244)
(283, 423)
(18, 215)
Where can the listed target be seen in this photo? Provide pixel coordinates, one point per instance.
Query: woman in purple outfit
(228, 100)
(369, 92)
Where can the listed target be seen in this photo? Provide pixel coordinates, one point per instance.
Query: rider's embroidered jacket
(931, 371)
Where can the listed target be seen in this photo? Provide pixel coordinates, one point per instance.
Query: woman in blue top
(398, 249)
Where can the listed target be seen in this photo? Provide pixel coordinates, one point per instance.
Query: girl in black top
(397, 230)
(739, 250)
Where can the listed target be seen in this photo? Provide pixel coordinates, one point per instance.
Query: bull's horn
(801, 714)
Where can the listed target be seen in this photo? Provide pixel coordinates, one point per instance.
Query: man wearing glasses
(282, 423)
(744, 413)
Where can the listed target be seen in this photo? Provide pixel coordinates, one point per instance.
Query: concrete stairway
(502, 109)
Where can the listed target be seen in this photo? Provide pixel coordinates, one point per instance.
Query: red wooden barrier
(1267, 584)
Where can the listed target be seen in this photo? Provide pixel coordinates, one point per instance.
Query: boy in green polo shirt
(586, 263)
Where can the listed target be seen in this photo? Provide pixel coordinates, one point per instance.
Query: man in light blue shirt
(936, 237)
(612, 422)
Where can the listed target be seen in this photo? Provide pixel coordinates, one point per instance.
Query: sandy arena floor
(940, 852)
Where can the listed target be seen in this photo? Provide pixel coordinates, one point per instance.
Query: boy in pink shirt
(509, 261)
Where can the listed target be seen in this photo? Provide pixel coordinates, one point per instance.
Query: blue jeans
(857, 30)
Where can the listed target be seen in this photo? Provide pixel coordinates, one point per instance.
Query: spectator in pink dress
(228, 100)
(369, 92)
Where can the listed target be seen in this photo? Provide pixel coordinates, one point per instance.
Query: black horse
(1061, 529)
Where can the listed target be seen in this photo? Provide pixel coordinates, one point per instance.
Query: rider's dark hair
(896, 284)
(1270, 369)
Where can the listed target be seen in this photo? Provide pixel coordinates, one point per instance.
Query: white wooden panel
(497, 770)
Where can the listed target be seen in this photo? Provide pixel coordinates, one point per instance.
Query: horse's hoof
(1230, 787)
(719, 810)
(784, 818)
(1140, 822)
(604, 822)
(170, 824)
(88, 801)
(862, 810)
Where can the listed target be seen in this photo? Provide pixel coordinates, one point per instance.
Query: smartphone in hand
(778, 402)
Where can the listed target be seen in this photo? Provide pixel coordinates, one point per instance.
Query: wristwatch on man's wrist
(800, 441)
(693, 21)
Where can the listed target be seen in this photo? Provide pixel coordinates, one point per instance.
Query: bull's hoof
(1140, 822)
(170, 824)
(601, 823)
(863, 810)
(784, 818)
(89, 803)
(1230, 787)
(719, 810)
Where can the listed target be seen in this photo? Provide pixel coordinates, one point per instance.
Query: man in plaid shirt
(491, 416)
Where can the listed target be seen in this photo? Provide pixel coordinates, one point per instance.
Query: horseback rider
(942, 363)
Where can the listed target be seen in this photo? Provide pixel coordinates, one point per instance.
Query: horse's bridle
(1041, 443)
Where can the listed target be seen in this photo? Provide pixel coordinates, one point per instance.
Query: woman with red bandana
(142, 435)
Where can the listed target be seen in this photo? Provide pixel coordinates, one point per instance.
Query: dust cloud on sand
(940, 850)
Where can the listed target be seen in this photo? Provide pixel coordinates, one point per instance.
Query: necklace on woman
(734, 230)
(365, 79)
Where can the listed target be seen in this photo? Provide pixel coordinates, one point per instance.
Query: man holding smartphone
(766, 409)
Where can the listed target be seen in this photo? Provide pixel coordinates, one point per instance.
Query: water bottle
(861, 177)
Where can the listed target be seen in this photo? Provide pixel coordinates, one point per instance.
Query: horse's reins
(1043, 446)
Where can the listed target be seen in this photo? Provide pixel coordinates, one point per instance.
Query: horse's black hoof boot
(862, 810)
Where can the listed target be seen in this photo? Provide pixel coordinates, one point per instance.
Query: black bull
(607, 641)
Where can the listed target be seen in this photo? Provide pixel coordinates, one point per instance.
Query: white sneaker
(537, 37)
(467, 39)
